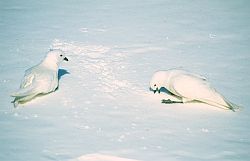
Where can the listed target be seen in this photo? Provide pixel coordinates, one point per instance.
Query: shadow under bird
(40, 79)
(188, 87)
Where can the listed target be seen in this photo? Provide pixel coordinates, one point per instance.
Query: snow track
(105, 64)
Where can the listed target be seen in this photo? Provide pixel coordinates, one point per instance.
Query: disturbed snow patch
(101, 157)
(103, 64)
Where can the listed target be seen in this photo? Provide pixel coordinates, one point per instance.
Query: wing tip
(233, 106)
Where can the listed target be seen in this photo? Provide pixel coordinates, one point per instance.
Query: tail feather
(222, 101)
(226, 105)
(24, 92)
(22, 100)
(233, 106)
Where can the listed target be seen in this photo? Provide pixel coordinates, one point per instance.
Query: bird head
(158, 81)
(56, 56)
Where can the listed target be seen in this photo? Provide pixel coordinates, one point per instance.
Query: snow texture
(103, 105)
(98, 157)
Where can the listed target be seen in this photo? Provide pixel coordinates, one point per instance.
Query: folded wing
(190, 87)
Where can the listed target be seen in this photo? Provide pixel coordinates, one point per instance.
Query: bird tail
(23, 92)
(228, 105)
(223, 104)
(233, 106)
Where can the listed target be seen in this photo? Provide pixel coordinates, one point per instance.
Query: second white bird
(40, 79)
(188, 87)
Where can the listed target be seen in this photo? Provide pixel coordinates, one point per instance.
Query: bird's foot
(168, 101)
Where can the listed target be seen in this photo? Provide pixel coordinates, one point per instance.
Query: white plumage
(40, 79)
(189, 87)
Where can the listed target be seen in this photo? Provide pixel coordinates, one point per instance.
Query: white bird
(188, 87)
(40, 79)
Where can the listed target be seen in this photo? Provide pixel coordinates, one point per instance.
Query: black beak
(66, 59)
(157, 89)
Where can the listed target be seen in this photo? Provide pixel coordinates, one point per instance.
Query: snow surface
(98, 157)
(103, 104)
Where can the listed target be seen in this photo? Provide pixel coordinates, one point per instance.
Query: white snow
(103, 107)
(98, 157)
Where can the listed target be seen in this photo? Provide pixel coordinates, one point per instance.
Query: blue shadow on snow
(62, 72)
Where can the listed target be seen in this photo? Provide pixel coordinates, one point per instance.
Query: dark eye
(155, 85)
(61, 55)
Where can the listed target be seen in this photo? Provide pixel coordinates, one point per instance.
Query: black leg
(168, 101)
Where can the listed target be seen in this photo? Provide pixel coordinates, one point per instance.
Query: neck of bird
(166, 80)
(50, 64)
